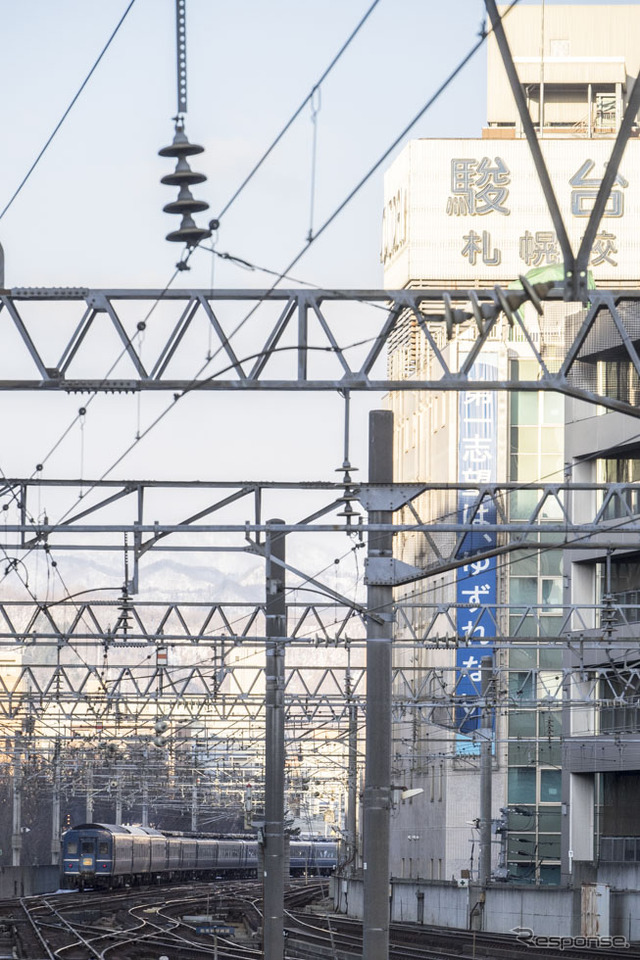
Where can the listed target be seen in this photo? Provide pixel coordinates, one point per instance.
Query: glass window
(517, 822)
(553, 443)
(552, 591)
(522, 785)
(522, 723)
(72, 847)
(550, 723)
(550, 786)
(548, 847)
(87, 847)
(523, 627)
(522, 847)
(552, 626)
(549, 684)
(522, 504)
(524, 467)
(521, 685)
(520, 658)
(524, 370)
(103, 849)
(553, 407)
(523, 590)
(551, 658)
(524, 564)
(552, 470)
(522, 871)
(527, 441)
(521, 752)
(550, 752)
(551, 563)
(524, 407)
(549, 819)
(550, 874)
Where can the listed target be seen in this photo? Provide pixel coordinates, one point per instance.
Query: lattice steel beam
(305, 330)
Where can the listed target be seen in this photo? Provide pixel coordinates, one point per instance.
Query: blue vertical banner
(476, 581)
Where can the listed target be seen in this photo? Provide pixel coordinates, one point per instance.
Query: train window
(87, 846)
(72, 847)
(103, 849)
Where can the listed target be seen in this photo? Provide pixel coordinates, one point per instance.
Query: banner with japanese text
(476, 581)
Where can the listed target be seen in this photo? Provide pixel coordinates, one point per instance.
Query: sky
(91, 213)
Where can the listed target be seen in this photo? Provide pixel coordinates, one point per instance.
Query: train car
(105, 855)
(324, 857)
(312, 858)
(93, 851)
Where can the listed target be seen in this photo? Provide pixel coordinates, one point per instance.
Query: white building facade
(464, 214)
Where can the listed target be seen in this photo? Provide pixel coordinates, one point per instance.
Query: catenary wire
(297, 112)
(443, 86)
(64, 116)
(337, 211)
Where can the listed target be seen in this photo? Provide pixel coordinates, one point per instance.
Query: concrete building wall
(582, 44)
(28, 881)
(547, 912)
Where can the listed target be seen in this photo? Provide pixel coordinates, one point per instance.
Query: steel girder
(305, 340)
(524, 511)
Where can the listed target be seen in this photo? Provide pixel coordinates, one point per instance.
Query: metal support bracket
(387, 571)
(387, 496)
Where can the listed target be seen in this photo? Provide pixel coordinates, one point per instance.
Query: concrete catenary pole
(55, 806)
(352, 782)
(89, 800)
(194, 788)
(119, 776)
(484, 859)
(377, 782)
(276, 630)
(145, 793)
(16, 832)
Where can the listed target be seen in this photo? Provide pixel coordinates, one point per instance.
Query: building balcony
(611, 753)
(620, 849)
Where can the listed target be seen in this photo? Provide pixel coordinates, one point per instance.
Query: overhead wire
(309, 98)
(66, 113)
(227, 339)
(326, 224)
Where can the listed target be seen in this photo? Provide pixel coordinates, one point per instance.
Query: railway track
(140, 924)
(338, 938)
(143, 924)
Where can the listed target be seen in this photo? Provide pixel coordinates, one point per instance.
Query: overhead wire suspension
(183, 176)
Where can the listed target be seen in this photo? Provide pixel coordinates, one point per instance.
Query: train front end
(87, 856)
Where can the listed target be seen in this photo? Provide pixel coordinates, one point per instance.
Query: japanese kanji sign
(473, 210)
(476, 584)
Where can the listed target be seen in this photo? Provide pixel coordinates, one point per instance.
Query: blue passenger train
(105, 855)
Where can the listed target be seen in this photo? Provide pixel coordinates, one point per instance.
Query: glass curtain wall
(535, 670)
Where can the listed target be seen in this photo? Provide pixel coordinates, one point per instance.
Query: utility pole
(352, 778)
(194, 789)
(276, 631)
(55, 806)
(119, 775)
(145, 790)
(16, 832)
(89, 801)
(377, 782)
(486, 742)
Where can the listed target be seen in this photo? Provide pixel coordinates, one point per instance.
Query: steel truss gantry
(529, 516)
(300, 340)
(115, 664)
